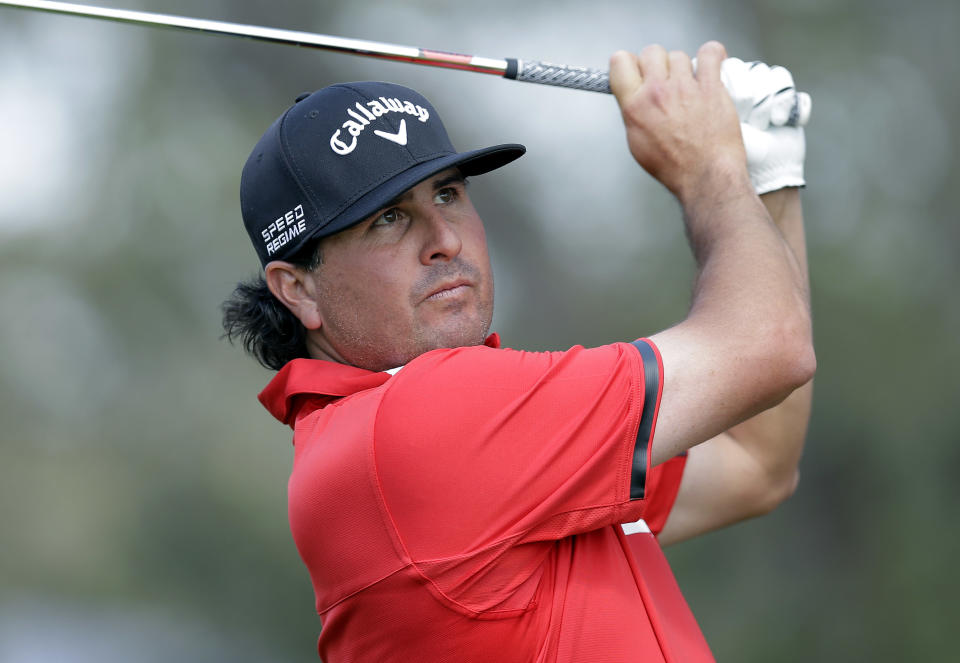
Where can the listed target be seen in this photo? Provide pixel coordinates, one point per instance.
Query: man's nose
(442, 241)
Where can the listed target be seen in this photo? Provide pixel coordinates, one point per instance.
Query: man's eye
(444, 196)
(388, 217)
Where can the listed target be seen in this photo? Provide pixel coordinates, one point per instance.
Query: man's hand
(772, 114)
(681, 127)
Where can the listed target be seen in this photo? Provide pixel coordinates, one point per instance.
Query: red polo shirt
(467, 508)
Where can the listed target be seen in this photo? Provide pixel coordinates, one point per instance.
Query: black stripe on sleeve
(651, 376)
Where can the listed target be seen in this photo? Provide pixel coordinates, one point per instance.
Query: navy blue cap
(340, 154)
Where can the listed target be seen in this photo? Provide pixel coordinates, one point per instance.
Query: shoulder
(461, 390)
(470, 367)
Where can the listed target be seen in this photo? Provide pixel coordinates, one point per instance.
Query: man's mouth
(449, 290)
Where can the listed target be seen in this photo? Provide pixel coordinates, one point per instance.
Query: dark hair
(267, 329)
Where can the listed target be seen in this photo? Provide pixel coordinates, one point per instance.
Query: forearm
(751, 264)
(775, 438)
(787, 214)
(750, 314)
(752, 467)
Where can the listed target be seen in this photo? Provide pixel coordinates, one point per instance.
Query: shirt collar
(321, 382)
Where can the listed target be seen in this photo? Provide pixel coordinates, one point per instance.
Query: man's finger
(625, 75)
(709, 58)
(680, 64)
(653, 62)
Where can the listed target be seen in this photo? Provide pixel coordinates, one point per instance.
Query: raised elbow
(791, 354)
(803, 361)
(771, 492)
(783, 489)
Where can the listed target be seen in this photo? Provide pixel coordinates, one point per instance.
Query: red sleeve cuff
(663, 487)
(652, 390)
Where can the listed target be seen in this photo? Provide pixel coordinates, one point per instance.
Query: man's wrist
(775, 201)
(718, 209)
(723, 181)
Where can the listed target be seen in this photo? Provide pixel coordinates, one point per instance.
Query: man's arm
(750, 469)
(745, 344)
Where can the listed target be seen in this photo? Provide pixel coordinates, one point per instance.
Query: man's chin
(458, 336)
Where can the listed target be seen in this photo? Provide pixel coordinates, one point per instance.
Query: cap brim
(475, 162)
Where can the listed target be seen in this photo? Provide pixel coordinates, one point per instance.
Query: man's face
(413, 277)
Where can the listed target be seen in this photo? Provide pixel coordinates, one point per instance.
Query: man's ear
(296, 289)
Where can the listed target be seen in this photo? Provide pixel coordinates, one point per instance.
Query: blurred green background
(142, 487)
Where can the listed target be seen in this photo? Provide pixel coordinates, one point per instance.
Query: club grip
(545, 73)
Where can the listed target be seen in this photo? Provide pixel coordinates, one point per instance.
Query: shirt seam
(395, 536)
(370, 584)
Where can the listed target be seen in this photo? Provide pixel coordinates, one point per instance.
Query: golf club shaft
(544, 73)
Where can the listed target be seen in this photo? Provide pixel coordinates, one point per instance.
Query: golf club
(580, 78)
(545, 73)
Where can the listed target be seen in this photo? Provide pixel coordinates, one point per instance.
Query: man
(454, 501)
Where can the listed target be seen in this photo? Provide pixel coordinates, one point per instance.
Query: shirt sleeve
(663, 485)
(478, 447)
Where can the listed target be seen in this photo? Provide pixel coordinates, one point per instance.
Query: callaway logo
(400, 138)
(362, 115)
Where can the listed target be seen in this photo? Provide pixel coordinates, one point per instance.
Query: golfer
(454, 500)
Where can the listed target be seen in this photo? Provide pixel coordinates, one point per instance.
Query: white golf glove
(772, 114)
